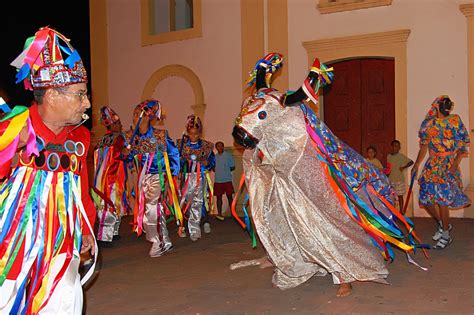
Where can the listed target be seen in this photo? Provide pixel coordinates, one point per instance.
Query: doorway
(359, 106)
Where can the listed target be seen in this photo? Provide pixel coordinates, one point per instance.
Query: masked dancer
(110, 178)
(197, 159)
(156, 159)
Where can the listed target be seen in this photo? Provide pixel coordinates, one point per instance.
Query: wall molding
(326, 7)
(383, 38)
(467, 9)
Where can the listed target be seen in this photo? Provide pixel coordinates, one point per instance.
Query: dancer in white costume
(156, 160)
(197, 158)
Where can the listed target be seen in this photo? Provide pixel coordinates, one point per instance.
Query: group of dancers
(145, 172)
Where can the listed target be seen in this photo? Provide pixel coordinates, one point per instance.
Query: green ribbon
(17, 110)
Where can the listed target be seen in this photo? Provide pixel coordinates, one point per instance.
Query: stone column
(99, 64)
(468, 11)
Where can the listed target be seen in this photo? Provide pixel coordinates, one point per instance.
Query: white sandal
(443, 243)
(439, 232)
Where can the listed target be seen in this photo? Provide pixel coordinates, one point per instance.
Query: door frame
(392, 44)
(380, 45)
(323, 111)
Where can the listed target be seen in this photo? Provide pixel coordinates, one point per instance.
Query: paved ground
(195, 279)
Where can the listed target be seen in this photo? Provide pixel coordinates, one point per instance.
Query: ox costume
(110, 178)
(45, 206)
(197, 159)
(156, 159)
(316, 203)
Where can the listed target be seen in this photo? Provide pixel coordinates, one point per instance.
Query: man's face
(220, 147)
(395, 147)
(74, 102)
(194, 134)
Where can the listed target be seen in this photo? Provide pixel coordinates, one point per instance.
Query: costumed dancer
(156, 159)
(316, 203)
(46, 213)
(445, 137)
(110, 178)
(197, 159)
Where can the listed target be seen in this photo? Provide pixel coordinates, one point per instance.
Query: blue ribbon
(72, 59)
(5, 108)
(22, 73)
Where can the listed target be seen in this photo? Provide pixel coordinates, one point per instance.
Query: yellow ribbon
(387, 237)
(177, 208)
(13, 130)
(3, 262)
(211, 189)
(62, 215)
(320, 71)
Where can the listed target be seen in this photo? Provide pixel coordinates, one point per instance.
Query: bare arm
(419, 158)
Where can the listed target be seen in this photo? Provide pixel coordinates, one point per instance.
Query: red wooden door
(359, 106)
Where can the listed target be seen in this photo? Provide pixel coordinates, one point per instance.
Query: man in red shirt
(46, 213)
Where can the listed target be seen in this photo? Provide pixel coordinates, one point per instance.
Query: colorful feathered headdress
(108, 116)
(272, 62)
(433, 112)
(48, 60)
(193, 122)
(319, 76)
(151, 108)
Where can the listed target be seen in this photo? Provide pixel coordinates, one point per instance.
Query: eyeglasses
(83, 95)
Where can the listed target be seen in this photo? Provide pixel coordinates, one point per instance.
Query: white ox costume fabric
(314, 200)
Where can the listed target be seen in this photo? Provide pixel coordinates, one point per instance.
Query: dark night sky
(21, 19)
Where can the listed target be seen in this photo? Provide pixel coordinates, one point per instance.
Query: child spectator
(223, 177)
(397, 163)
(371, 157)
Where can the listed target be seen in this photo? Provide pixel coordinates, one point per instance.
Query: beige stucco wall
(436, 57)
(214, 58)
(436, 52)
